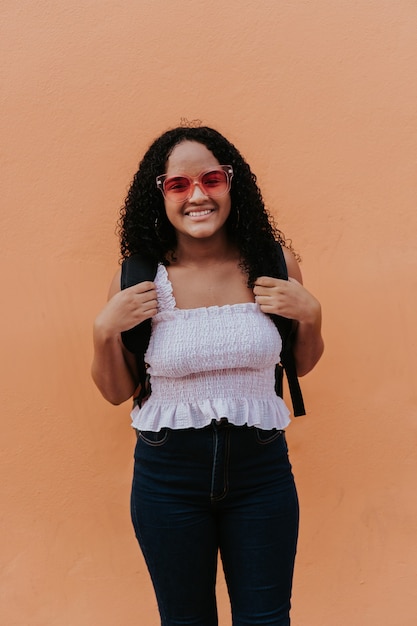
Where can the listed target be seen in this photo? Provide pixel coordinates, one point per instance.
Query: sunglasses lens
(177, 188)
(215, 183)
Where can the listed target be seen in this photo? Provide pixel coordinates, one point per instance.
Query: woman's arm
(114, 368)
(309, 345)
(290, 299)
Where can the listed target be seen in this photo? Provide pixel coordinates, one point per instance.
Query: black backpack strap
(286, 330)
(288, 364)
(136, 269)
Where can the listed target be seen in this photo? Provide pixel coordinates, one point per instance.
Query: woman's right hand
(127, 308)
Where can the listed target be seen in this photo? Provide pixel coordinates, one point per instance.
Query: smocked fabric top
(210, 363)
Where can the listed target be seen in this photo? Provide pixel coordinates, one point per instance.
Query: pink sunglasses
(213, 182)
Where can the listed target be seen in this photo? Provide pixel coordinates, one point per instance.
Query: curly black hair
(143, 226)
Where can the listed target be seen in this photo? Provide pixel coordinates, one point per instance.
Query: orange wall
(320, 97)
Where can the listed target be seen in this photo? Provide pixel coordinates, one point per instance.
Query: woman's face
(200, 216)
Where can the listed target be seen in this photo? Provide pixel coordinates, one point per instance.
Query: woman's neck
(197, 252)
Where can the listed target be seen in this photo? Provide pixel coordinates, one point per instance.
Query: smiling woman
(198, 204)
(212, 472)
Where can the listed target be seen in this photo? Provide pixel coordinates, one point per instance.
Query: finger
(143, 287)
(148, 296)
(262, 299)
(150, 306)
(267, 308)
(263, 291)
(265, 281)
(279, 287)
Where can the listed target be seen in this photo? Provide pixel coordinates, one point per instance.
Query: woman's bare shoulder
(292, 265)
(115, 284)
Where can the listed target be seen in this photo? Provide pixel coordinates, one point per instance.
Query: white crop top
(208, 363)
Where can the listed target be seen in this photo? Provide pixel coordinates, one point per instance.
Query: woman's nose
(197, 193)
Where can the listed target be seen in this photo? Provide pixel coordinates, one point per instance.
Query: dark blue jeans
(221, 488)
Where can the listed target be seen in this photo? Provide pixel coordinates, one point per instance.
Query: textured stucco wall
(321, 99)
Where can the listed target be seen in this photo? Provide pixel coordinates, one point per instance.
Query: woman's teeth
(198, 213)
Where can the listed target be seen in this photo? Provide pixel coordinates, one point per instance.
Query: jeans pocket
(267, 436)
(154, 438)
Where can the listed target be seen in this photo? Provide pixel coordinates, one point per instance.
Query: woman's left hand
(287, 298)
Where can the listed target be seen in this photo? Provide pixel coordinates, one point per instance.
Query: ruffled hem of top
(265, 414)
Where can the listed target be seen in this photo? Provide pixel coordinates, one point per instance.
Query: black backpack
(137, 268)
